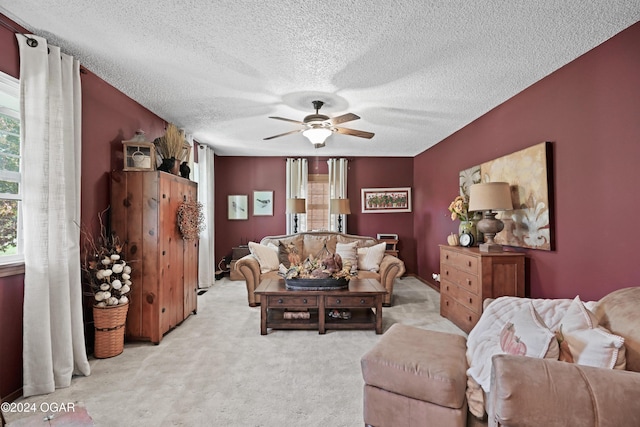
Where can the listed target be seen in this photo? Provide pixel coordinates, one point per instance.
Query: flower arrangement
(106, 273)
(459, 209)
(330, 266)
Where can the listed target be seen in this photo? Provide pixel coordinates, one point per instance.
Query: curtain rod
(30, 40)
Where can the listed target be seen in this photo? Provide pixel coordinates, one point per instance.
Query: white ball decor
(105, 270)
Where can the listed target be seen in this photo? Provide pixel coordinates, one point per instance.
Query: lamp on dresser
(295, 207)
(340, 207)
(488, 198)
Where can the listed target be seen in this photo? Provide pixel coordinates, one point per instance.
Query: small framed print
(263, 203)
(386, 200)
(237, 207)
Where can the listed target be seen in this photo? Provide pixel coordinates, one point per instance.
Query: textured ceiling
(414, 71)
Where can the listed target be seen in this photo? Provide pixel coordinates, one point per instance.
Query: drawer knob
(280, 301)
(446, 256)
(469, 263)
(362, 301)
(337, 301)
(446, 303)
(469, 282)
(469, 318)
(304, 301)
(470, 300)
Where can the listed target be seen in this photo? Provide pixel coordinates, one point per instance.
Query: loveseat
(254, 269)
(419, 377)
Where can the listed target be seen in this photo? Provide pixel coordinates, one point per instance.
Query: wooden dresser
(468, 277)
(144, 214)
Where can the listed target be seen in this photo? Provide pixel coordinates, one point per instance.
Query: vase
(470, 227)
(171, 165)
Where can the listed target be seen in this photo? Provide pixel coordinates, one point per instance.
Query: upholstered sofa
(313, 243)
(419, 377)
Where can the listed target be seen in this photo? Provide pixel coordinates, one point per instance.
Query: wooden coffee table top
(357, 287)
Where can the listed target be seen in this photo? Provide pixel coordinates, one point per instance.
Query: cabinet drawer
(337, 301)
(464, 318)
(460, 261)
(293, 301)
(468, 281)
(470, 300)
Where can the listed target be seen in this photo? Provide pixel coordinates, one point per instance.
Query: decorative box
(139, 155)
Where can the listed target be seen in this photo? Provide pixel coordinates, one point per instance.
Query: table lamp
(340, 207)
(488, 198)
(295, 207)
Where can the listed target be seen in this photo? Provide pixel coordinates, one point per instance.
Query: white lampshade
(317, 135)
(296, 206)
(490, 196)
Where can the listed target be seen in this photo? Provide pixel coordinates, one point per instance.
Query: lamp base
(490, 247)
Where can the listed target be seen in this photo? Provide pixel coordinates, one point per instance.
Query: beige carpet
(215, 369)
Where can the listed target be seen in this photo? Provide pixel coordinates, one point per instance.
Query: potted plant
(108, 277)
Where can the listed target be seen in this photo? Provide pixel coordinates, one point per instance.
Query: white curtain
(297, 174)
(337, 190)
(206, 255)
(53, 343)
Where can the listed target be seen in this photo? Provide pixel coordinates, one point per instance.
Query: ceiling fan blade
(283, 134)
(343, 118)
(287, 120)
(353, 132)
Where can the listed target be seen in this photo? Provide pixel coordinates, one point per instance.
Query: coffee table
(363, 299)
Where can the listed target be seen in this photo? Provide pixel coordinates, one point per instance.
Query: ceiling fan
(318, 127)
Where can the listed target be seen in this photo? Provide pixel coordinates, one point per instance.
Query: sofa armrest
(527, 392)
(249, 267)
(390, 268)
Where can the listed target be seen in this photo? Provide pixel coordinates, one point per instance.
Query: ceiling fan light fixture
(317, 135)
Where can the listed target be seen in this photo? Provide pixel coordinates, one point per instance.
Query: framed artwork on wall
(386, 200)
(237, 206)
(263, 203)
(529, 224)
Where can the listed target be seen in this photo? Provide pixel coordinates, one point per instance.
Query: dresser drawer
(293, 301)
(338, 301)
(468, 281)
(471, 301)
(460, 261)
(464, 318)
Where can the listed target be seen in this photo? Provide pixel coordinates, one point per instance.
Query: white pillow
(371, 257)
(267, 256)
(348, 252)
(527, 335)
(590, 344)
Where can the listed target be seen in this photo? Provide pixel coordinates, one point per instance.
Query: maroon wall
(589, 109)
(243, 175)
(108, 117)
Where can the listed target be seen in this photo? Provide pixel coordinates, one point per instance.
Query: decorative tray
(316, 284)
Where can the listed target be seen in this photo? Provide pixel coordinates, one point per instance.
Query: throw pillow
(590, 344)
(267, 256)
(370, 258)
(527, 335)
(288, 254)
(348, 252)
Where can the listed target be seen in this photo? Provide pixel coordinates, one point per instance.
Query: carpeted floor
(215, 369)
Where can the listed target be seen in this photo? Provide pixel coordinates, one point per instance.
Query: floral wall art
(385, 200)
(528, 225)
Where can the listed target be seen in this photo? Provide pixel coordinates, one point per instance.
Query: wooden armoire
(144, 211)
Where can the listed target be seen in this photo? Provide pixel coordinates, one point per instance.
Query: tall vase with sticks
(170, 146)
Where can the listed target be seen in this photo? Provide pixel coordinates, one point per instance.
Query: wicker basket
(109, 323)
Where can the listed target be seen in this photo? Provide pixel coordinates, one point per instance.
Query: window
(10, 166)
(317, 202)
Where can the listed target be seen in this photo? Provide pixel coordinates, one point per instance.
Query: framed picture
(386, 200)
(237, 207)
(263, 203)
